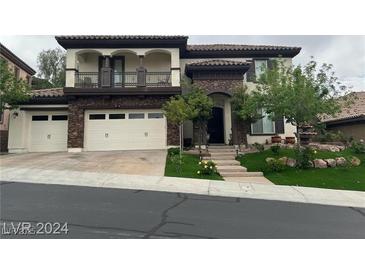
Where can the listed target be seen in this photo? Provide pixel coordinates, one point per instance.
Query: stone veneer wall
(225, 86)
(77, 107)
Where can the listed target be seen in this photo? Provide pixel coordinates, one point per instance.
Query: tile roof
(357, 109)
(120, 37)
(219, 63)
(50, 92)
(236, 47)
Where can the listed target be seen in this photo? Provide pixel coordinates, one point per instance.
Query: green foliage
(358, 147)
(39, 83)
(207, 168)
(275, 149)
(275, 165)
(300, 93)
(176, 161)
(176, 110)
(12, 91)
(245, 104)
(304, 156)
(259, 147)
(173, 151)
(52, 66)
(329, 136)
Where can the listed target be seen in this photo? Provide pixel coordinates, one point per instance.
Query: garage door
(124, 130)
(48, 131)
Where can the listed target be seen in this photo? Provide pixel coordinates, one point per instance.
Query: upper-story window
(16, 72)
(260, 67)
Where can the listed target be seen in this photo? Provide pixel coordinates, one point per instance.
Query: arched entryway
(215, 126)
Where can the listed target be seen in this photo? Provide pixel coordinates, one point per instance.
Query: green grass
(352, 178)
(189, 169)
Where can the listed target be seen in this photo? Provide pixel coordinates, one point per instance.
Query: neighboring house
(116, 86)
(351, 120)
(21, 71)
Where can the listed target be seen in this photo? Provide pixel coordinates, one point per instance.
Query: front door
(215, 127)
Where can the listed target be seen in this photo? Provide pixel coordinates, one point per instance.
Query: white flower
(205, 166)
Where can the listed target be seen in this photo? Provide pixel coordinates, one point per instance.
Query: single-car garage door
(48, 131)
(124, 130)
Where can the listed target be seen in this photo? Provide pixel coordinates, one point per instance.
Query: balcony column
(106, 73)
(175, 68)
(141, 73)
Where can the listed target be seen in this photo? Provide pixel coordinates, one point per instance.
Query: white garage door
(124, 130)
(48, 131)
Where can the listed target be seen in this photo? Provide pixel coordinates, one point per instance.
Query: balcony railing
(125, 79)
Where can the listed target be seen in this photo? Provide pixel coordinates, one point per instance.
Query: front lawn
(189, 169)
(352, 178)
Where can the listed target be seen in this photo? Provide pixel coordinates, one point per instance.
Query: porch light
(15, 114)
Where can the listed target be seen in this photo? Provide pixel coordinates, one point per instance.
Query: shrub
(173, 151)
(275, 165)
(207, 167)
(177, 162)
(304, 156)
(358, 147)
(259, 147)
(275, 149)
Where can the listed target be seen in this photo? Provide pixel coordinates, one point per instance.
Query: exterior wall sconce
(236, 149)
(15, 114)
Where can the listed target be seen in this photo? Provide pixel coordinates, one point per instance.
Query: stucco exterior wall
(356, 130)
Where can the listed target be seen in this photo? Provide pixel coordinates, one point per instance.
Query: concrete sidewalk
(185, 185)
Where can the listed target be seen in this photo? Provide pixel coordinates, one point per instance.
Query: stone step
(222, 157)
(231, 168)
(220, 146)
(221, 153)
(221, 150)
(240, 174)
(227, 162)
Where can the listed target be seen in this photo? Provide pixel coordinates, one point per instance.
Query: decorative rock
(341, 161)
(269, 160)
(355, 161)
(319, 163)
(330, 162)
(283, 160)
(291, 162)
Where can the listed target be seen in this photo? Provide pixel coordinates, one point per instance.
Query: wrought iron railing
(125, 79)
(87, 79)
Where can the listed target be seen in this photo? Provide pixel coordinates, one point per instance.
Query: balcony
(126, 79)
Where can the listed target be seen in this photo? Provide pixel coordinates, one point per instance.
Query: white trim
(74, 149)
(43, 106)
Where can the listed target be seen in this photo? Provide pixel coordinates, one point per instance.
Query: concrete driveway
(141, 162)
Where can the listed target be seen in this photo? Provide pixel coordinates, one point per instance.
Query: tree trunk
(181, 144)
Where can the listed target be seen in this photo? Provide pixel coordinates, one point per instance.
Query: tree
(176, 111)
(39, 83)
(245, 106)
(200, 107)
(52, 66)
(12, 91)
(301, 94)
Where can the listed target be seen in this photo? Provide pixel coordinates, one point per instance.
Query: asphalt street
(116, 213)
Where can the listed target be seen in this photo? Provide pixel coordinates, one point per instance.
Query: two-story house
(21, 71)
(116, 86)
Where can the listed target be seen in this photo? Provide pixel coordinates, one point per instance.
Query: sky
(346, 53)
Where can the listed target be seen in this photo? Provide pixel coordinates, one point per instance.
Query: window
(154, 115)
(29, 79)
(59, 117)
(97, 117)
(136, 116)
(116, 116)
(264, 125)
(40, 118)
(16, 72)
(260, 67)
(1, 117)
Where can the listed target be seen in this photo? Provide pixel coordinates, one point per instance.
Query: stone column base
(74, 149)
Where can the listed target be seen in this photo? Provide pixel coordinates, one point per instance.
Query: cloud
(345, 52)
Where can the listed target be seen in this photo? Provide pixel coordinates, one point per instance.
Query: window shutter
(251, 73)
(279, 126)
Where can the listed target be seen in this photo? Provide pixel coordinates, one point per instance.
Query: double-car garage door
(124, 130)
(103, 130)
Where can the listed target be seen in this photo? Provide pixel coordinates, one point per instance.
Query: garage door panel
(124, 134)
(48, 135)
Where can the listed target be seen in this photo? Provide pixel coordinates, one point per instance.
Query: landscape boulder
(283, 160)
(291, 162)
(269, 160)
(330, 162)
(319, 163)
(341, 161)
(355, 161)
